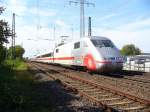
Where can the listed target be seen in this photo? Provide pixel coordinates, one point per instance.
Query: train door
(77, 52)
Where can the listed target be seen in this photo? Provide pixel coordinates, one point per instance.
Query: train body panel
(62, 54)
(95, 53)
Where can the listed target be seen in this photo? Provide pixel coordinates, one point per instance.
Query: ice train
(94, 53)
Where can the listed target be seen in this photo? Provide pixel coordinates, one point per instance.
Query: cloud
(137, 33)
(33, 39)
(108, 16)
(137, 25)
(17, 6)
(61, 24)
(39, 41)
(43, 12)
(123, 37)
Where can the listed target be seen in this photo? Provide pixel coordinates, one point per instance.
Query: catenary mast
(82, 17)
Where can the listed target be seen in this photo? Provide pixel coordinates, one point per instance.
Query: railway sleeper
(140, 107)
(132, 106)
(95, 92)
(127, 106)
(107, 97)
(85, 88)
(81, 85)
(74, 82)
(90, 91)
(120, 103)
(119, 100)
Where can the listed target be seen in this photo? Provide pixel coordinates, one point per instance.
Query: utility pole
(89, 27)
(82, 17)
(13, 36)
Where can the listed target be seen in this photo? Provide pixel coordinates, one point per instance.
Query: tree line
(5, 33)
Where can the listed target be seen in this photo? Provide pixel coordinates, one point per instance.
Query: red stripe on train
(73, 58)
(61, 58)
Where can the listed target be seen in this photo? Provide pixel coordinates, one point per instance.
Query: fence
(137, 65)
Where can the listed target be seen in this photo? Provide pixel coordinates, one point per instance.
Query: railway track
(109, 99)
(134, 87)
(127, 82)
(134, 77)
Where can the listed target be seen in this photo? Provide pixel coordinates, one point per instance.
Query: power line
(82, 17)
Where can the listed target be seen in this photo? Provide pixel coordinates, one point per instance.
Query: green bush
(130, 49)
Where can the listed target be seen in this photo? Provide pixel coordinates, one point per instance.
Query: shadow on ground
(23, 92)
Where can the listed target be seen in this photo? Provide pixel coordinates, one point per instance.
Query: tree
(1, 9)
(4, 34)
(18, 51)
(3, 51)
(5, 31)
(130, 49)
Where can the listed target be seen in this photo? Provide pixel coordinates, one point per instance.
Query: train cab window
(102, 43)
(97, 43)
(57, 50)
(107, 43)
(77, 45)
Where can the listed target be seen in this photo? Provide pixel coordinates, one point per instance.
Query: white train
(94, 53)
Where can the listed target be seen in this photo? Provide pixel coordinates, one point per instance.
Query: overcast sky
(123, 21)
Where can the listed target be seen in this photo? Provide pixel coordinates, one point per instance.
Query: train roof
(85, 39)
(92, 37)
(98, 37)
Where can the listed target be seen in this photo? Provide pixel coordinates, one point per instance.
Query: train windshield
(102, 43)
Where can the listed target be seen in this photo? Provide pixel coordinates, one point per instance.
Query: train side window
(77, 45)
(57, 50)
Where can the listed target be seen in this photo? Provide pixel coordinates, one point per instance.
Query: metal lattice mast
(13, 36)
(82, 17)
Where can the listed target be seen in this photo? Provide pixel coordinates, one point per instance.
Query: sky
(41, 23)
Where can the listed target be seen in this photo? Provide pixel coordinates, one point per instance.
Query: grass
(18, 90)
(18, 64)
(13, 82)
